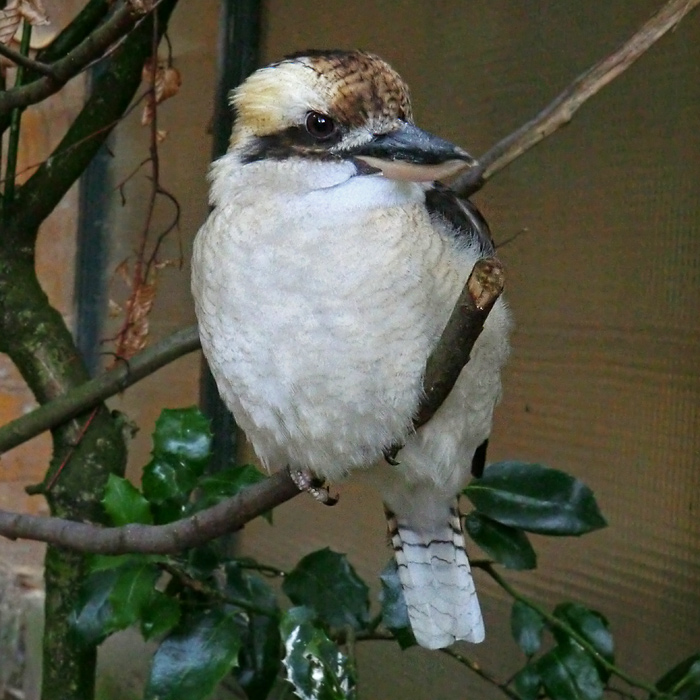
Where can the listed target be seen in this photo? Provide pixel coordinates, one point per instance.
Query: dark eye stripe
(292, 141)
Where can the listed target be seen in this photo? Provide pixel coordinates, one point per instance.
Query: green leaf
(160, 616)
(183, 435)
(527, 682)
(93, 619)
(683, 680)
(163, 481)
(132, 591)
(192, 660)
(526, 625)
(535, 498)
(568, 673)
(325, 581)
(394, 610)
(259, 660)
(315, 666)
(226, 483)
(506, 545)
(592, 626)
(124, 503)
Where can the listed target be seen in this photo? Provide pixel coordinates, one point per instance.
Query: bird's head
(338, 106)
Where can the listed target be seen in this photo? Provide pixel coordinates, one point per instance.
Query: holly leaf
(315, 666)
(394, 610)
(568, 673)
(527, 682)
(132, 591)
(592, 626)
(183, 436)
(325, 581)
(258, 662)
(124, 503)
(195, 657)
(226, 483)
(535, 498)
(683, 680)
(93, 619)
(160, 616)
(526, 625)
(506, 545)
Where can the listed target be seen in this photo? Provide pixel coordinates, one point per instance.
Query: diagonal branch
(560, 112)
(91, 48)
(21, 60)
(92, 393)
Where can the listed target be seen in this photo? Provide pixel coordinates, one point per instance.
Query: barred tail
(436, 579)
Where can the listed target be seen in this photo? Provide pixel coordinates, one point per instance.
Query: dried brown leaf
(10, 18)
(166, 81)
(34, 12)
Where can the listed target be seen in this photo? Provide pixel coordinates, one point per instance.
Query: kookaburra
(323, 278)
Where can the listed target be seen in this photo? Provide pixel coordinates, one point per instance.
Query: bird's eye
(319, 125)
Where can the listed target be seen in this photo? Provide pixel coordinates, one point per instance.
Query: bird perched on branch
(323, 278)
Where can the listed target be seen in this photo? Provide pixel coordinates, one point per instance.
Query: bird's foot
(317, 488)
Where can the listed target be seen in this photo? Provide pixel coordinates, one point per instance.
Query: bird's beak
(409, 153)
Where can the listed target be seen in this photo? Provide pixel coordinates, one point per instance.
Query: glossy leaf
(325, 581)
(124, 503)
(526, 625)
(93, 619)
(683, 680)
(527, 682)
(163, 481)
(183, 435)
(569, 673)
(506, 545)
(592, 626)
(259, 660)
(394, 610)
(132, 591)
(160, 616)
(195, 657)
(535, 498)
(226, 483)
(315, 666)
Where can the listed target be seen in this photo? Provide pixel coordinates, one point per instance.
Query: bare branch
(91, 48)
(21, 60)
(225, 517)
(95, 391)
(562, 109)
(480, 293)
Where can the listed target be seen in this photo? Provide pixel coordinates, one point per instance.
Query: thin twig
(95, 391)
(15, 122)
(118, 25)
(485, 675)
(554, 621)
(18, 58)
(561, 110)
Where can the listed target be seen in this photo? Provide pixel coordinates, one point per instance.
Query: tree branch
(562, 109)
(91, 48)
(225, 517)
(21, 60)
(111, 95)
(95, 391)
(483, 287)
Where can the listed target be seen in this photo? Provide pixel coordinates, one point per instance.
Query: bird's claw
(390, 455)
(306, 481)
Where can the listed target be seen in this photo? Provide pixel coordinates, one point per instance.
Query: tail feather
(437, 582)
